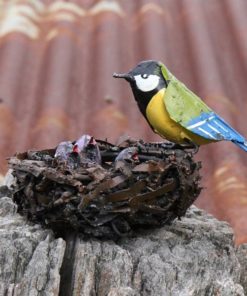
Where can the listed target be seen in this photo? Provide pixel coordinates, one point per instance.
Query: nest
(109, 200)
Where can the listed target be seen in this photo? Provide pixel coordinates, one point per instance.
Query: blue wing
(213, 127)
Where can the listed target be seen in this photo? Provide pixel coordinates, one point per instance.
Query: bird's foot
(171, 145)
(191, 145)
(188, 145)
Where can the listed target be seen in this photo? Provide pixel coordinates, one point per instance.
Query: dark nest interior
(106, 190)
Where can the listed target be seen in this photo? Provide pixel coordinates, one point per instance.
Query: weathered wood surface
(194, 256)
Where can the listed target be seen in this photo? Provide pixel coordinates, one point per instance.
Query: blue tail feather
(211, 126)
(242, 145)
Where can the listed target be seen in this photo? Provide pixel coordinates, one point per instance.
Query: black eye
(144, 76)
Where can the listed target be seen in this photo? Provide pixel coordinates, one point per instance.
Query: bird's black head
(146, 80)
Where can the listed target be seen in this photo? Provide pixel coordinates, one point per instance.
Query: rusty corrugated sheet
(56, 65)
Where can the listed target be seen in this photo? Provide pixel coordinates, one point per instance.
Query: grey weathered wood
(194, 256)
(242, 257)
(30, 257)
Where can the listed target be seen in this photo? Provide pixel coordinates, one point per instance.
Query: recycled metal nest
(108, 200)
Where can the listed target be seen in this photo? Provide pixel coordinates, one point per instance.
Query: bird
(63, 150)
(125, 160)
(173, 111)
(128, 154)
(88, 150)
(64, 155)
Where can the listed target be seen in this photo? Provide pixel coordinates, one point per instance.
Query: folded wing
(187, 109)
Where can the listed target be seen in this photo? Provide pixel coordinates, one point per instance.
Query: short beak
(75, 149)
(92, 141)
(126, 76)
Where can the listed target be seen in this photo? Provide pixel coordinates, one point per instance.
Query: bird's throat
(143, 98)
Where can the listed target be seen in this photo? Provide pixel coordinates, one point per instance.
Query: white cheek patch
(147, 84)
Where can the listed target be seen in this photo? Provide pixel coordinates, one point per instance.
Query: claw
(191, 145)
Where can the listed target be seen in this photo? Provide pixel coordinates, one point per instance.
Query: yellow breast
(163, 125)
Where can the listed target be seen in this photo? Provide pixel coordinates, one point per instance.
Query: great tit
(173, 111)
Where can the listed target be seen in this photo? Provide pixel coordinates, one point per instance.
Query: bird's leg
(191, 145)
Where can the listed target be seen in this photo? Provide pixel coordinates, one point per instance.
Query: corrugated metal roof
(56, 65)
